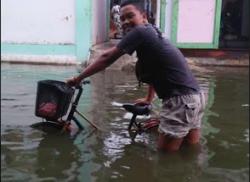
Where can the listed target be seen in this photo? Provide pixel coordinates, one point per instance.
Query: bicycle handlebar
(84, 82)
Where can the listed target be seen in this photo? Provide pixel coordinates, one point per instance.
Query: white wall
(196, 21)
(38, 21)
(99, 19)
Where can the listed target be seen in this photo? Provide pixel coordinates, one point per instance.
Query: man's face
(131, 17)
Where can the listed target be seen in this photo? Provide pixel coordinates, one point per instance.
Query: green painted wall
(163, 15)
(83, 28)
(36, 49)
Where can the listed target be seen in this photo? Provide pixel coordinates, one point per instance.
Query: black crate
(52, 99)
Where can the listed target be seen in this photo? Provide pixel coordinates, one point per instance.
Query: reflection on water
(29, 155)
(110, 155)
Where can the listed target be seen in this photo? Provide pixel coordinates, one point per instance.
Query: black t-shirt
(165, 65)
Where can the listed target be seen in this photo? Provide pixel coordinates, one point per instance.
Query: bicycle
(53, 112)
(142, 126)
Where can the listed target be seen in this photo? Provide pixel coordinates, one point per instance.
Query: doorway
(234, 30)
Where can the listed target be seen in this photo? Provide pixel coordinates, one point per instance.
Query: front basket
(53, 99)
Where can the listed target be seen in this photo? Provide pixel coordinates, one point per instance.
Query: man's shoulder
(135, 31)
(138, 31)
(146, 30)
(141, 28)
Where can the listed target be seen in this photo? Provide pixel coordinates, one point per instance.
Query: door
(196, 23)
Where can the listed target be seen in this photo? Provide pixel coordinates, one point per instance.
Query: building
(64, 30)
(51, 31)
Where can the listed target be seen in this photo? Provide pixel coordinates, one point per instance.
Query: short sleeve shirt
(166, 65)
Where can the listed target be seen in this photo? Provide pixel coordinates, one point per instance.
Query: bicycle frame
(74, 110)
(140, 126)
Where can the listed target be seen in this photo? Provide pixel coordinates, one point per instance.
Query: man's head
(132, 14)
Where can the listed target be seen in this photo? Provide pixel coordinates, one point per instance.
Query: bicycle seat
(138, 109)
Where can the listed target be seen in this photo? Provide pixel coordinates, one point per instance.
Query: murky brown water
(110, 155)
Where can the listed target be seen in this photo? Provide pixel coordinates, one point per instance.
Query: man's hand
(74, 81)
(148, 99)
(142, 101)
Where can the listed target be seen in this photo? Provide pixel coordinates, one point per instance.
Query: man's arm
(103, 61)
(151, 94)
(149, 98)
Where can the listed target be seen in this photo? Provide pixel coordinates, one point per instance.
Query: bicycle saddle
(138, 109)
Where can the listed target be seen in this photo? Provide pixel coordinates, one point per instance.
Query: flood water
(108, 155)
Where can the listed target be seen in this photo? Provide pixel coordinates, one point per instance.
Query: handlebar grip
(84, 82)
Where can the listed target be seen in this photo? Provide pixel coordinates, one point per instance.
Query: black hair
(158, 31)
(139, 4)
(116, 2)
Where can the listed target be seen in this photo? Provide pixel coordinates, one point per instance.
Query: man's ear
(144, 15)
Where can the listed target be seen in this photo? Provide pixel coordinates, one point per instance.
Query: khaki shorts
(180, 114)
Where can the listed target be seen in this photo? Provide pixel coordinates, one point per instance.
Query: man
(165, 69)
